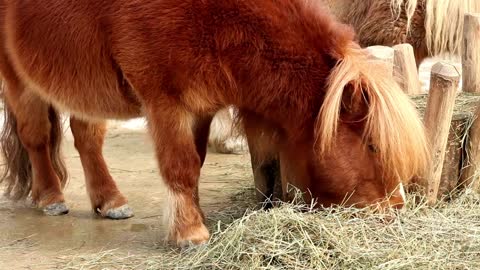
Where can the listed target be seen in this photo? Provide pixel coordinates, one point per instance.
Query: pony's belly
(100, 105)
(97, 94)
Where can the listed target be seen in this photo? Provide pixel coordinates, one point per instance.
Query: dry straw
(446, 236)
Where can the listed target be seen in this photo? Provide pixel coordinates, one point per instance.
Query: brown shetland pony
(305, 92)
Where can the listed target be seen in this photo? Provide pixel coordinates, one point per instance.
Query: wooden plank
(405, 69)
(383, 53)
(453, 155)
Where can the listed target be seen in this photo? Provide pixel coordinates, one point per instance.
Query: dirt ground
(30, 240)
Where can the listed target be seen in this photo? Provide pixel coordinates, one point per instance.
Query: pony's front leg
(173, 131)
(104, 195)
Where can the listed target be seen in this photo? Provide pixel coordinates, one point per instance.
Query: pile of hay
(446, 236)
(465, 104)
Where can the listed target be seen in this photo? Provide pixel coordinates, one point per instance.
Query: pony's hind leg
(33, 126)
(104, 195)
(173, 131)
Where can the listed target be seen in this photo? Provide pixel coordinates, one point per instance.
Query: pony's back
(253, 54)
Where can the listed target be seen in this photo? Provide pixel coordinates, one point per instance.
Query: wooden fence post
(444, 83)
(400, 60)
(471, 54)
(383, 53)
(471, 84)
(405, 69)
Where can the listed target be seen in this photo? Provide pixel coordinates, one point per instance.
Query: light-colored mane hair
(392, 122)
(443, 22)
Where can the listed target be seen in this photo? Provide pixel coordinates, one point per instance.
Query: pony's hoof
(122, 212)
(192, 245)
(55, 209)
(196, 238)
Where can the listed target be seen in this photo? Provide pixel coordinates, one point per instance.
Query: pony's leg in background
(265, 162)
(172, 130)
(37, 126)
(224, 136)
(104, 194)
(266, 174)
(201, 133)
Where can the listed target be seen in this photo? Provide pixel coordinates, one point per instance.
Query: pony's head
(368, 138)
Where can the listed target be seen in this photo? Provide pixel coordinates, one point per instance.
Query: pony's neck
(274, 57)
(269, 57)
(284, 96)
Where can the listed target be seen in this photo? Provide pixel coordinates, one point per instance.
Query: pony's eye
(372, 148)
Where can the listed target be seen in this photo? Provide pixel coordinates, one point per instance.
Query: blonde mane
(410, 7)
(392, 122)
(443, 22)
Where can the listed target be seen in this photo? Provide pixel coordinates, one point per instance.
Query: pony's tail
(17, 173)
(392, 123)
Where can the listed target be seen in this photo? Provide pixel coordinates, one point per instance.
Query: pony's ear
(355, 103)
